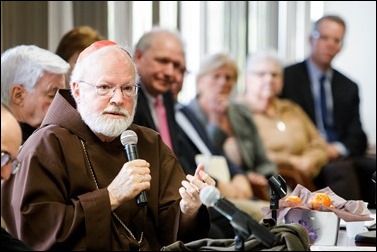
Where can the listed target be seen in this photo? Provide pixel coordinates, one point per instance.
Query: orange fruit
(293, 200)
(320, 199)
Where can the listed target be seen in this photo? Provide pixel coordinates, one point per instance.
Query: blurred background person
(228, 123)
(73, 43)
(332, 102)
(11, 139)
(232, 181)
(30, 78)
(159, 56)
(290, 138)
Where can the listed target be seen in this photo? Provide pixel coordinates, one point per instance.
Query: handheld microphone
(241, 221)
(129, 141)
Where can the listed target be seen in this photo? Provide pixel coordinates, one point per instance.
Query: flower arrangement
(311, 232)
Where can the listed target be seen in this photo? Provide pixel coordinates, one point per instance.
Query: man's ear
(137, 55)
(18, 94)
(76, 91)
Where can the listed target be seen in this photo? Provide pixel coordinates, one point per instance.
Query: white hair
(84, 65)
(25, 65)
(262, 55)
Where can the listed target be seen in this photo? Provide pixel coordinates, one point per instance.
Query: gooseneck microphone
(129, 141)
(243, 223)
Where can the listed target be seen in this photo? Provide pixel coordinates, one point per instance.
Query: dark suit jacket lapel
(143, 115)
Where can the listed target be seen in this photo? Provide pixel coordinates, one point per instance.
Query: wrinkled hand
(332, 151)
(217, 111)
(257, 179)
(133, 178)
(190, 190)
(303, 163)
(218, 104)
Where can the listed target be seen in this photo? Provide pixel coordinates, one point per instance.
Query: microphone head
(128, 137)
(209, 195)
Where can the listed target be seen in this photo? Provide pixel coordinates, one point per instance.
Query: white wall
(357, 60)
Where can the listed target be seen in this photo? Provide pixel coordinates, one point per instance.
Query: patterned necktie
(163, 123)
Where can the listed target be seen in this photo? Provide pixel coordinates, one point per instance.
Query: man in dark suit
(332, 102)
(160, 59)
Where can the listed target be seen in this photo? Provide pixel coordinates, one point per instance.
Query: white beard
(100, 123)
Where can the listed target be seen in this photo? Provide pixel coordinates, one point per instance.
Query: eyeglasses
(6, 158)
(108, 90)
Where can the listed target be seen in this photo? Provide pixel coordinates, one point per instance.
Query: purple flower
(311, 232)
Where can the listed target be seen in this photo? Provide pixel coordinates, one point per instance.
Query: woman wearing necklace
(290, 138)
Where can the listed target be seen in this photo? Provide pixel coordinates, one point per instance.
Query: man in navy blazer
(340, 121)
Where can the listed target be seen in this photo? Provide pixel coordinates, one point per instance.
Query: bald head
(160, 59)
(159, 35)
(11, 138)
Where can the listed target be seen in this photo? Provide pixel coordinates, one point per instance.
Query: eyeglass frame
(7, 158)
(113, 88)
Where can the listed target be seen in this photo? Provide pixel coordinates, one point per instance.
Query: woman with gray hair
(290, 138)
